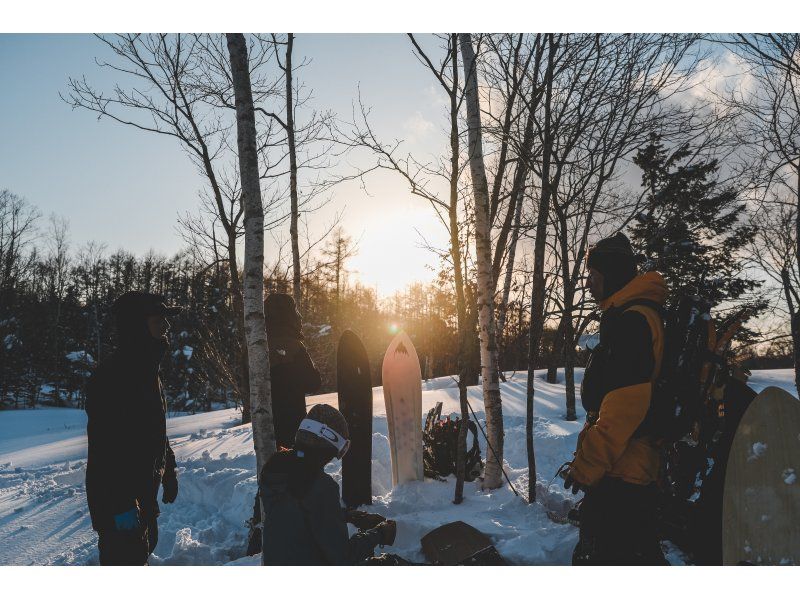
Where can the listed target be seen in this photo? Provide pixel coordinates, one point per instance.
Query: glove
(127, 521)
(170, 484)
(363, 520)
(571, 482)
(388, 530)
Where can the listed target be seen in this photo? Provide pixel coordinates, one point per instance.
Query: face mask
(333, 438)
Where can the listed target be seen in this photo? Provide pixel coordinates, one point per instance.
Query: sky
(125, 188)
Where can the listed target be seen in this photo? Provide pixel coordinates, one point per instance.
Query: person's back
(292, 372)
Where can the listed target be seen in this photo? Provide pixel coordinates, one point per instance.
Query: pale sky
(125, 188)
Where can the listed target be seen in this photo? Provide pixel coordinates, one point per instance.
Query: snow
(758, 450)
(44, 520)
(9, 341)
(789, 476)
(80, 357)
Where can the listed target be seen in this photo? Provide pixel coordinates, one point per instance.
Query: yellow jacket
(606, 446)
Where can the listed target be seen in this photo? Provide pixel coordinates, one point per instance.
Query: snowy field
(44, 519)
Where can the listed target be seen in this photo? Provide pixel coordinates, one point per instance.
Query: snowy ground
(44, 520)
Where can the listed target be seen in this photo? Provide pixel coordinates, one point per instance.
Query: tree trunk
(458, 275)
(255, 331)
(794, 323)
(483, 254)
(512, 254)
(237, 302)
(538, 285)
(557, 353)
(296, 292)
(569, 329)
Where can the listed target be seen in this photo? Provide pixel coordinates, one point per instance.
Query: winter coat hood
(650, 286)
(282, 317)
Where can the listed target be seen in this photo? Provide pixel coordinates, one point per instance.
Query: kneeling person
(304, 522)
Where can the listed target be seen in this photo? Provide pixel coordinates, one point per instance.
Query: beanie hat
(613, 257)
(324, 428)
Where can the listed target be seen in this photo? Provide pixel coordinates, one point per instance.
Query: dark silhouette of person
(304, 522)
(292, 372)
(129, 453)
(617, 459)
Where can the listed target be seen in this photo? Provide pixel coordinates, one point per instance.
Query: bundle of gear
(440, 447)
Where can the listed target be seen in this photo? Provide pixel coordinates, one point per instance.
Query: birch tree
(174, 85)
(254, 324)
(493, 406)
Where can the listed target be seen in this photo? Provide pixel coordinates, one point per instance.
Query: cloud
(417, 127)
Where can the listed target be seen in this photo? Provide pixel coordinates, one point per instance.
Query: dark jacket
(617, 387)
(129, 452)
(292, 375)
(304, 522)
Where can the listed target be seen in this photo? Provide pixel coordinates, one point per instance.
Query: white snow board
(402, 392)
(761, 504)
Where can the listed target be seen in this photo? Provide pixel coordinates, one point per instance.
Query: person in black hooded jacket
(304, 522)
(292, 373)
(129, 454)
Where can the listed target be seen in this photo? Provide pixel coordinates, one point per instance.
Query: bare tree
(492, 403)
(769, 111)
(57, 267)
(176, 85)
(538, 283)
(254, 325)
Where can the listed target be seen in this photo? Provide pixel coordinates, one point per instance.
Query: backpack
(440, 447)
(693, 426)
(687, 397)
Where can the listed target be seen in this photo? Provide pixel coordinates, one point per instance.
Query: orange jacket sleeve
(602, 444)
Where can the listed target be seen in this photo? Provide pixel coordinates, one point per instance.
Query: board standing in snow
(617, 461)
(129, 453)
(292, 373)
(304, 522)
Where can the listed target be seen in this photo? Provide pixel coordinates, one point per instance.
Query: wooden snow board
(761, 503)
(459, 543)
(354, 387)
(402, 392)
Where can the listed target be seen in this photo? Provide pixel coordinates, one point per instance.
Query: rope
(489, 444)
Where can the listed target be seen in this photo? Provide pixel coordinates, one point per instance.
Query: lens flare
(394, 328)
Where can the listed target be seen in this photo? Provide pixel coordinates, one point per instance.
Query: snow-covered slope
(43, 516)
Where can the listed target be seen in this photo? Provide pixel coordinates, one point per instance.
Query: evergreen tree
(692, 230)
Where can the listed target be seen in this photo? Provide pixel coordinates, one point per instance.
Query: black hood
(137, 344)
(282, 317)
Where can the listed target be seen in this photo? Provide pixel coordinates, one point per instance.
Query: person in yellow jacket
(616, 461)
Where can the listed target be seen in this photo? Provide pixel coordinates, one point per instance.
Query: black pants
(618, 525)
(128, 548)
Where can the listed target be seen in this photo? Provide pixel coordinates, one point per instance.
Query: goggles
(320, 430)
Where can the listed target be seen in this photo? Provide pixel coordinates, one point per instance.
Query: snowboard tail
(761, 504)
(354, 386)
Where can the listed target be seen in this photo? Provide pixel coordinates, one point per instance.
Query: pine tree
(691, 230)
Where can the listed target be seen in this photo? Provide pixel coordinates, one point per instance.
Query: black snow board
(354, 386)
(459, 543)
